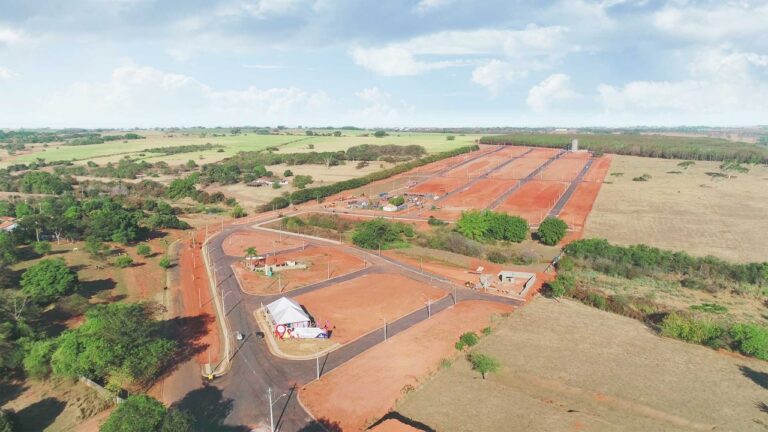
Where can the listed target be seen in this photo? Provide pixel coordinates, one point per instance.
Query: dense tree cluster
(96, 138)
(189, 148)
(551, 231)
(379, 233)
(488, 225)
(146, 414)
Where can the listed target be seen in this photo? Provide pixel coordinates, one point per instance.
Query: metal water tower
(574, 145)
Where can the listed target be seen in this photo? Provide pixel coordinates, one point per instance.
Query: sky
(386, 63)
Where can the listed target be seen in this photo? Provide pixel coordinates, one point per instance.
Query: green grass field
(232, 144)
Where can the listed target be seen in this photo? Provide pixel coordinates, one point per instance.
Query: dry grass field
(691, 211)
(566, 366)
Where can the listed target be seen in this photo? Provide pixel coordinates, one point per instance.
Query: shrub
(123, 261)
(37, 361)
(459, 345)
(488, 225)
(164, 262)
(596, 300)
(484, 364)
(433, 221)
(469, 339)
(287, 173)
(710, 308)
(143, 250)
(397, 201)
(238, 212)
(562, 285)
(751, 339)
(486, 331)
(552, 230)
(42, 247)
(692, 330)
(450, 137)
(497, 257)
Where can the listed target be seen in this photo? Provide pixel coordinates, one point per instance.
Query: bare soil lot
(360, 305)
(690, 211)
(566, 366)
(362, 390)
(264, 242)
(322, 263)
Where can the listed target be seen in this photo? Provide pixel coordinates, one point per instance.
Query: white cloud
(727, 19)
(380, 109)
(10, 37)
(501, 55)
(555, 88)
(425, 6)
(141, 95)
(6, 73)
(725, 85)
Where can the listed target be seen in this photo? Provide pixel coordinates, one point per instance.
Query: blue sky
(147, 63)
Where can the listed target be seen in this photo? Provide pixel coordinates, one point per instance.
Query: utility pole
(271, 416)
(329, 266)
(429, 309)
(454, 295)
(317, 363)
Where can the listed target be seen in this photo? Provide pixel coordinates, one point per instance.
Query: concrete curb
(224, 365)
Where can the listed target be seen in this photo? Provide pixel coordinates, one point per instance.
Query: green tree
(116, 339)
(250, 252)
(143, 250)
(48, 280)
(374, 234)
(287, 173)
(123, 261)
(96, 249)
(42, 247)
(238, 212)
(6, 422)
(177, 420)
(472, 224)
(37, 361)
(552, 230)
(301, 181)
(139, 413)
(501, 226)
(380, 134)
(484, 364)
(397, 201)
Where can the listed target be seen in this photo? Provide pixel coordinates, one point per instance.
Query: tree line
(666, 147)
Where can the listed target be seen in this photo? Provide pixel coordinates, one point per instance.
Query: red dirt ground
(512, 151)
(476, 168)
(438, 185)
(599, 169)
(357, 307)
(197, 296)
(577, 208)
(366, 387)
(393, 425)
(519, 168)
(341, 263)
(533, 200)
(543, 153)
(563, 170)
(479, 195)
(236, 244)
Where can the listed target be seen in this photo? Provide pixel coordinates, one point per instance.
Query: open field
(231, 145)
(690, 211)
(345, 394)
(356, 307)
(566, 366)
(323, 263)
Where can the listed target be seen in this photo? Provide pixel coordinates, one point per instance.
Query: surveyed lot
(690, 211)
(356, 307)
(366, 387)
(566, 366)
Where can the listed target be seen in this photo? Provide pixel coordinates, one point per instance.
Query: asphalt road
(254, 369)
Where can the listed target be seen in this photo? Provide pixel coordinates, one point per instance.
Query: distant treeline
(37, 137)
(667, 147)
(101, 139)
(305, 195)
(183, 149)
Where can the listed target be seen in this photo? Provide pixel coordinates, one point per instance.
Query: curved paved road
(254, 368)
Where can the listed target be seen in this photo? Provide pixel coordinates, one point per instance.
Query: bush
(497, 257)
(488, 225)
(123, 261)
(378, 233)
(164, 262)
(49, 280)
(486, 331)
(562, 285)
(433, 221)
(143, 250)
(238, 212)
(596, 300)
(397, 201)
(692, 330)
(37, 361)
(552, 230)
(751, 339)
(42, 247)
(469, 339)
(287, 173)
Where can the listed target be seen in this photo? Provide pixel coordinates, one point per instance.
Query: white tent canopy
(287, 311)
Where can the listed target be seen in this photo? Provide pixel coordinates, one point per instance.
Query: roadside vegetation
(659, 146)
(708, 323)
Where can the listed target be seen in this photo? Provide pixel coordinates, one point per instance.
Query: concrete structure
(574, 145)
